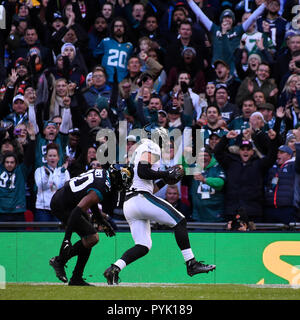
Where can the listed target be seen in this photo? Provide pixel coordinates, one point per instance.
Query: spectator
(16, 33)
(274, 119)
(214, 124)
(19, 114)
(147, 112)
(246, 65)
(107, 11)
(206, 189)
(188, 64)
(223, 76)
(173, 197)
(135, 74)
(89, 125)
(31, 39)
(13, 184)
(259, 98)
(98, 88)
(163, 119)
(135, 14)
(283, 60)
(240, 123)
(262, 81)
(273, 24)
(82, 164)
(223, 48)
(98, 32)
(279, 188)
(175, 49)
(289, 90)
(184, 82)
(73, 149)
(48, 179)
(170, 157)
(162, 76)
(151, 30)
(9, 144)
(244, 176)
(67, 30)
(257, 42)
(115, 50)
(48, 132)
(74, 67)
(176, 114)
(228, 110)
(60, 91)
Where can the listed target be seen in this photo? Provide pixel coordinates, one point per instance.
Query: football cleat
(59, 269)
(194, 267)
(112, 274)
(79, 282)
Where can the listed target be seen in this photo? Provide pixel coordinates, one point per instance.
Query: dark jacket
(244, 183)
(282, 193)
(92, 94)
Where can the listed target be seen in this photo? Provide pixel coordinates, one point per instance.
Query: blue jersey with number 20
(115, 55)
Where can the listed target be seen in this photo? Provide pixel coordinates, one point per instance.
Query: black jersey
(78, 187)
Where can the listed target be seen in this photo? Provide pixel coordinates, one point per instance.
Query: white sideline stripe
(175, 285)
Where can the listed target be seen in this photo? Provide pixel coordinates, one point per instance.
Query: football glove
(175, 174)
(107, 228)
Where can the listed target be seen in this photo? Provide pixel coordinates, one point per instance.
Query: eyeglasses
(98, 76)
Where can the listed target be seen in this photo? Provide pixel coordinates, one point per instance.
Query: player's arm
(144, 170)
(88, 201)
(101, 221)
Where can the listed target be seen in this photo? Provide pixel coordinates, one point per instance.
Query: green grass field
(149, 292)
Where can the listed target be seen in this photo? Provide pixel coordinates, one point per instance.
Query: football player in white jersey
(141, 207)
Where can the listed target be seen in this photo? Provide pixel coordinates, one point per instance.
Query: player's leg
(164, 213)
(141, 234)
(140, 231)
(82, 249)
(57, 209)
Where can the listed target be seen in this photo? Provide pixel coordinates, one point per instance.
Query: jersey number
(79, 183)
(116, 58)
(5, 181)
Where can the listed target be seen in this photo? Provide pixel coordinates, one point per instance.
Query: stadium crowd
(229, 68)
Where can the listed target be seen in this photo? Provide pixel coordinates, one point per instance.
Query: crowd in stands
(227, 69)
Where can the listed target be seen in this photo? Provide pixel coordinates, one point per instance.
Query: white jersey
(146, 146)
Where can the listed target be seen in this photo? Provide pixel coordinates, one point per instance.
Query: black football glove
(175, 173)
(107, 228)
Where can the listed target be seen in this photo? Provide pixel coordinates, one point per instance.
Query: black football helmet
(121, 176)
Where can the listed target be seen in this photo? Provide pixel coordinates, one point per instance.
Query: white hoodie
(48, 184)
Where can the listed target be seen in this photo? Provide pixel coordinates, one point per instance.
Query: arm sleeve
(66, 119)
(253, 17)
(200, 15)
(32, 118)
(144, 171)
(216, 183)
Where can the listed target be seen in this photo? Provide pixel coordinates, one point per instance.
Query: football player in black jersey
(72, 203)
